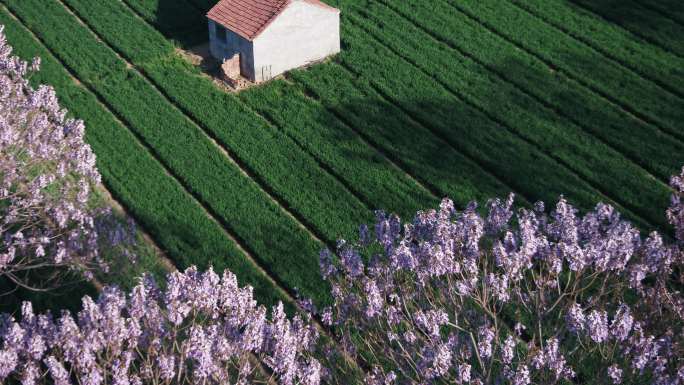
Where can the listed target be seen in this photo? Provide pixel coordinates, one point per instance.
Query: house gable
(305, 31)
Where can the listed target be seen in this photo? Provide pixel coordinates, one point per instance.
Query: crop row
(234, 198)
(577, 60)
(338, 149)
(573, 151)
(448, 171)
(521, 166)
(398, 33)
(641, 21)
(641, 142)
(374, 180)
(426, 156)
(505, 104)
(611, 40)
(342, 151)
(398, 195)
(557, 135)
(158, 202)
(586, 69)
(257, 143)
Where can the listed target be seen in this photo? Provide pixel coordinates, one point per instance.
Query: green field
(469, 99)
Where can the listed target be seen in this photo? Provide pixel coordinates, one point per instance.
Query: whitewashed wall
(226, 49)
(301, 34)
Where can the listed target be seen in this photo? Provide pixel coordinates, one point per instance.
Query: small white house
(264, 38)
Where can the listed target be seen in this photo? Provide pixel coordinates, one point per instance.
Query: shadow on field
(521, 166)
(63, 298)
(621, 125)
(181, 21)
(656, 18)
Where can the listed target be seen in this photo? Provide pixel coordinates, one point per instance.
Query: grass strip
(674, 9)
(325, 136)
(157, 202)
(293, 107)
(656, 216)
(517, 163)
(646, 145)
(649, 25)
(523, 115)
(417, 149)
(614, 42)
(578, 61)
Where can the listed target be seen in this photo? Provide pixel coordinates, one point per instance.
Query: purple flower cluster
(675, 213)
(431, 300)
(203, 328)
(47, 173)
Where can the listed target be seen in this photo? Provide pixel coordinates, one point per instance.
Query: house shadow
(66, 297)
(182, 21)
(398, 118)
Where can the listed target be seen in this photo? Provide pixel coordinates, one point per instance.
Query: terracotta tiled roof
(248, 18)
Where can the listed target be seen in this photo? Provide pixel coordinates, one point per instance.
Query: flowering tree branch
(47, 173)
(202, 329)
(459, 297)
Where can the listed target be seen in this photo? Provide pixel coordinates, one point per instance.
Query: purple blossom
(387, 229)
(166, 364)
(575, 318)
(350, 259)
(8, 362)
(437, 361)
(498, 284)
(675, 214)
(59, 375)
(375, 298)
(124, 339)
(622, 323)
(377, 377)
(597, 325)
(555, 360)
(499, 215)
(486, 337)
(522, 376)
(438, 278)
(508, 350)
(48, 174)
(327, 316)
(431, 321)
(615, 374)
(326, 264)
(464, 373)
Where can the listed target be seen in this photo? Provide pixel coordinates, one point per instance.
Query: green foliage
(313, 127)
(467, 128)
